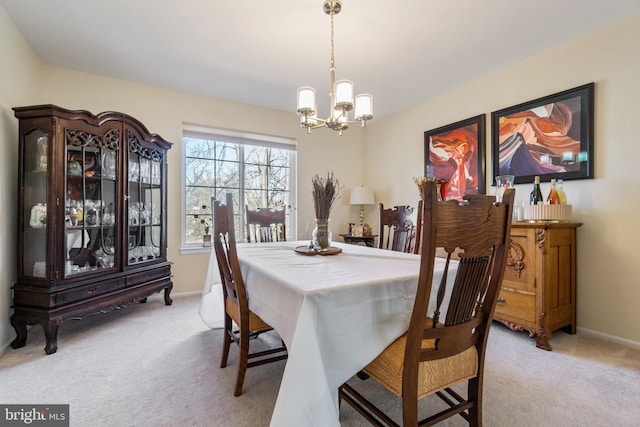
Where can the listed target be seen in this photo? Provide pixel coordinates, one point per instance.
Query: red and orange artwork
(453, 161)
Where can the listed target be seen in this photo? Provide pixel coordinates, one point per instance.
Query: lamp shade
(306, 100)
(344, 95)
(364, 106)
(361, 196)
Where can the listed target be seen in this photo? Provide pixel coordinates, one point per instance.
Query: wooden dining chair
(446, 347)
(265, 225)
(236, 304)
(417, 245)
(397, 229)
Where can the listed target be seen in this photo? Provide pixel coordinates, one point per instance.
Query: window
(258, 170)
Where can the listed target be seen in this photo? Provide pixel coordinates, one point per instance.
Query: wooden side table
(354, 240)
(539, 287)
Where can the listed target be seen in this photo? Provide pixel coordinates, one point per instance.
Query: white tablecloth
(334, 313)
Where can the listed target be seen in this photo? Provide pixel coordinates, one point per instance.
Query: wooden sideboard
(539, 287)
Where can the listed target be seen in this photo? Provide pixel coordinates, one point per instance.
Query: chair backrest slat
(266, 225)
(397, 229)
(465, 294)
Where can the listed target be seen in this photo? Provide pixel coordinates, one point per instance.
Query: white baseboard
(160, 295)
(4, 348)
(623, 341)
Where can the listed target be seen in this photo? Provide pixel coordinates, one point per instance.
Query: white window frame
(242, 138)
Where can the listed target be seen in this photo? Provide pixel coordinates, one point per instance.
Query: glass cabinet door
(35, 167)
(90, 207)
(144, 205)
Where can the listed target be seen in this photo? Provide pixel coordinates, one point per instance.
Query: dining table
(335, 314)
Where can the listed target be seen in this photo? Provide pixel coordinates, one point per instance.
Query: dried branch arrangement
(420, 181)
(325, 192)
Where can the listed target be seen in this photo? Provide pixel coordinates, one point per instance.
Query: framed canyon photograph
(454, 156)
(551, 137)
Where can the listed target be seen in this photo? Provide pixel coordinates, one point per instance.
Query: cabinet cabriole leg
(542, 338)
(51, 334)
(167, 298)
(21, 332)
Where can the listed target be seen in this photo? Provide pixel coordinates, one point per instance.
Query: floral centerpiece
(325, 192)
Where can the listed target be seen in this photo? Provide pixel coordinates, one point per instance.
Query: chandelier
(342, 99)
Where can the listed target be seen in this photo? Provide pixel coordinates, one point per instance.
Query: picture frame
(551, 137)
(454, 156)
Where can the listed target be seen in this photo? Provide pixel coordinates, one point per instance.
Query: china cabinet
(92, 217)
(538, 291)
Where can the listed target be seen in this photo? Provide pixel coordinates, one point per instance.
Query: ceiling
(259, 52)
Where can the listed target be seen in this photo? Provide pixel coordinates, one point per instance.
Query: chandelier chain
(332, 56)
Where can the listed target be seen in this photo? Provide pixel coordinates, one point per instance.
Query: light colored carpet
(157, 365)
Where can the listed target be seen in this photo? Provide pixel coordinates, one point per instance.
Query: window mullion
(241, 196)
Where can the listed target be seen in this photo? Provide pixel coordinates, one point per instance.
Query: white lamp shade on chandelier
(342, 95)
(306, 100)
(364, 107)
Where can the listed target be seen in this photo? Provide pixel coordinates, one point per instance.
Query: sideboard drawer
(147, 275)
(512, 304)
(82, 293)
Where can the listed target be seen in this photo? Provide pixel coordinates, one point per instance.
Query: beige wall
(608, 285)
(19, 71)
(608, 293)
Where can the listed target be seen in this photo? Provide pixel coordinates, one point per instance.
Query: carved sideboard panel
(539, 286)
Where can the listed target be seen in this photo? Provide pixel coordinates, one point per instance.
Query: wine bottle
(553, 197)
(536, 195)
(561, 194)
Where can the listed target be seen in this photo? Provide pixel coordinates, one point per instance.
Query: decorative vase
(321, 234)
(41, 165)
(38, 217)
(502, 183)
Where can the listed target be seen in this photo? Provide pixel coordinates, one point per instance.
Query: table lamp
(361, 196)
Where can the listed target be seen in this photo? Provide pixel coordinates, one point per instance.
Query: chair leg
(410, 410)
(475, 395)
(242, 361)
(227, 342)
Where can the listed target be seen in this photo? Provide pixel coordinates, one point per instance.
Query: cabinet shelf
(91, 177)
(90, 227)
